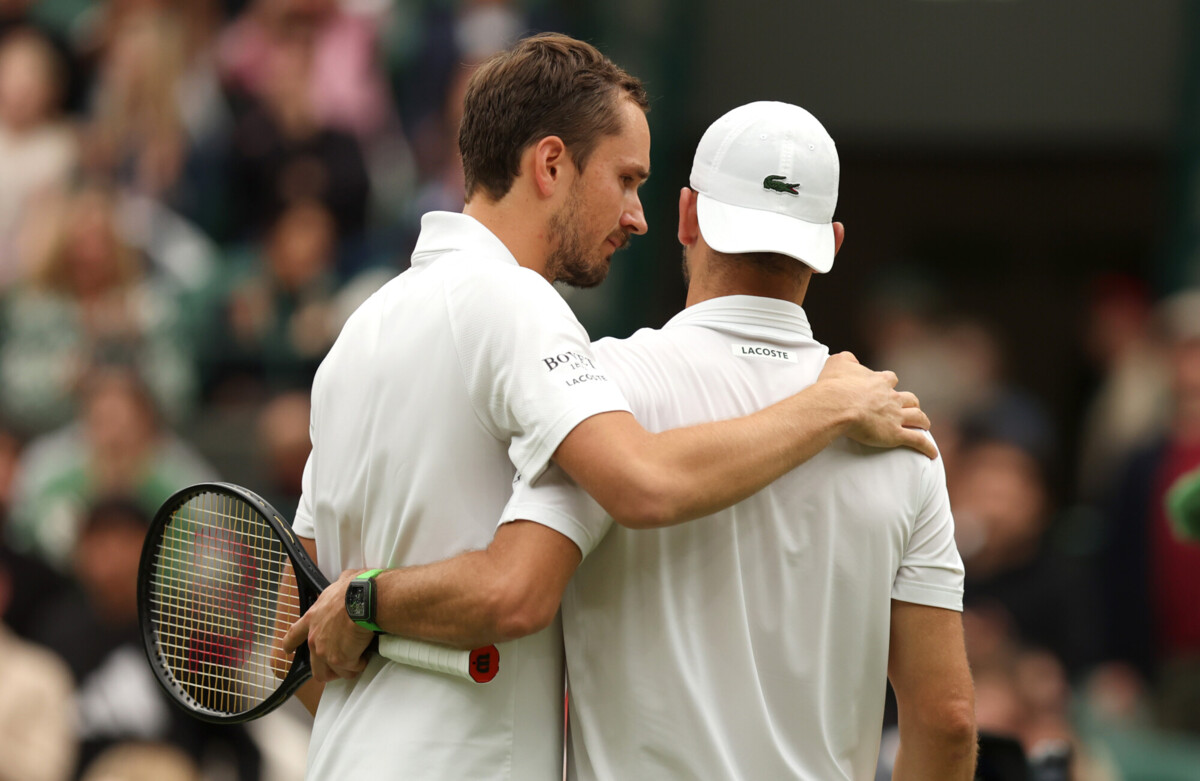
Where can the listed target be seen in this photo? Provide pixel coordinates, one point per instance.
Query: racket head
(215, 598)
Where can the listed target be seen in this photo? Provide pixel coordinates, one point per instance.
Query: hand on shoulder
(880, 415)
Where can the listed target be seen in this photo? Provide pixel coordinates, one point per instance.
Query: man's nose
(634, 218)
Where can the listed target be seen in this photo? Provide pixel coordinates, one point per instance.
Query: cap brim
(737, 229)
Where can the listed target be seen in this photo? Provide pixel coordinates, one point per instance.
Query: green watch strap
(368, 575)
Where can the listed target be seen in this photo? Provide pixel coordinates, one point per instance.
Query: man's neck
(518, 226)
(749, 284)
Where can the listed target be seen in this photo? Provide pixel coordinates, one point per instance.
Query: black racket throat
(221, 578)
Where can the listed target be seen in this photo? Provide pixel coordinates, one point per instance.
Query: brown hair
(547, 85)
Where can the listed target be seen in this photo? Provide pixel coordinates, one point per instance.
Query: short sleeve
(527, 362)
(557, 502)
(931, 570)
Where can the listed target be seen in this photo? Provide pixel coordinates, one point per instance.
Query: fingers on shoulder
(921, 441)
(914, 417)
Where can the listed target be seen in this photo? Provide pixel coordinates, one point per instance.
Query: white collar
(755, 316)
(443, 232)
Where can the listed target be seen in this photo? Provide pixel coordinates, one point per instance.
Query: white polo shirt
(751, 644)
(456, 370)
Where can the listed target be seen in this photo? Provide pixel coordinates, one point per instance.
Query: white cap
(767, 178)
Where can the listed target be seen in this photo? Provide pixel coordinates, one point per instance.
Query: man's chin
(582, 281)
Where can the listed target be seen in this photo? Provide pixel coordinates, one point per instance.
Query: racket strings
(222, 597)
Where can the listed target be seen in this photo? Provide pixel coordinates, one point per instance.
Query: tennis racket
(221, 580)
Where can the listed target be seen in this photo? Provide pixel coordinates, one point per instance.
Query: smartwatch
(360, 600)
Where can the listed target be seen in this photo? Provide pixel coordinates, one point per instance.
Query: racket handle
(480, 665)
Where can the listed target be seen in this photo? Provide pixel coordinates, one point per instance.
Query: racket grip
(480, 665)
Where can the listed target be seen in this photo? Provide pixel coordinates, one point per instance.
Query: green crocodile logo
(777, 184)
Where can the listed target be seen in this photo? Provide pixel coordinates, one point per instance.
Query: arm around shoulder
(648, 480)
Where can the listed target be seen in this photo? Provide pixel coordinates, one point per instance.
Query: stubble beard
(568, 261)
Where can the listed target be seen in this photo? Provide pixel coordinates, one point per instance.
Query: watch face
(356, 600)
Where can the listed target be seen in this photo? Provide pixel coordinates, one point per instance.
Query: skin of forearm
(926, 754)
(462, 602)
(687, 473)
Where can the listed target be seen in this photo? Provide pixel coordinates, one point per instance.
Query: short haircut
(763, 262)
(546, 85)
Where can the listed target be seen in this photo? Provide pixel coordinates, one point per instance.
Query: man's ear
(689, 222)
(548, 163)
(839, 235)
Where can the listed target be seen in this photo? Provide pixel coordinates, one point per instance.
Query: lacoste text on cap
(767, 178)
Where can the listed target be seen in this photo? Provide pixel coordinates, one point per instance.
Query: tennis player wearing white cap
(753, 643)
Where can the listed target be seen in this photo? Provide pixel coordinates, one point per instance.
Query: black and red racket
(221, 580)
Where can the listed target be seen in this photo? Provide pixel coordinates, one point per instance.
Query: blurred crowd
(195, 194)
(1082, 600)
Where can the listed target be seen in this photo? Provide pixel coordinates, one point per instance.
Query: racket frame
(310, 582)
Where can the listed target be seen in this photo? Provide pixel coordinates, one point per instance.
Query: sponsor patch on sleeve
(762, 351)
(573, 368)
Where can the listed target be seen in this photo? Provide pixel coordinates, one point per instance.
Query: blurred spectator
(1028, 699)
(1131, 403)
(1016, 574)
(1023, 693)
(119, 445)
(279, 314)
(485, 27)
(50, 22)
(37, 739)
(95, 630)
(138, 130)
(477, 30)
(1150, 577)
(283, 441)
(439, 161)
(38, 150)
(142, 762)
(286, 154)
(10, 453)
(343, 82)
(161, 124)
(430, 44)
(88, 301)
(956, 365)
(31, 581)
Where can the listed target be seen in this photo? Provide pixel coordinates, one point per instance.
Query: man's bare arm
(511, 589)
(927, 665)
(647, 480)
